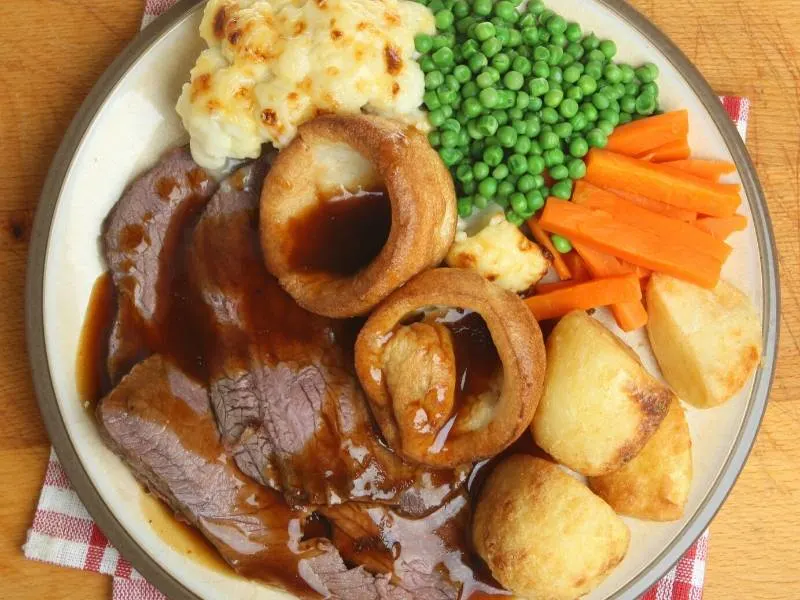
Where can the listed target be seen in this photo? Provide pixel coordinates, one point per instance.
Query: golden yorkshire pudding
(453, 366)
(352, 209)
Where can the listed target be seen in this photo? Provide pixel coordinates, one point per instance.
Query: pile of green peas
(516, 98)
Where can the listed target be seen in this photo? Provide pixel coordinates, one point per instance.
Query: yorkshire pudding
(453, 366)
(326, 231)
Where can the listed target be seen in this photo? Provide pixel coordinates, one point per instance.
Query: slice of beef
(282, 380)
(160, 422)
(141, 237)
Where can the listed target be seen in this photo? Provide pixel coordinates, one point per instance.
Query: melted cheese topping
(273, 64)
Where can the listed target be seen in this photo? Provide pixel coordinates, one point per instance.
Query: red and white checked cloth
(64, 533)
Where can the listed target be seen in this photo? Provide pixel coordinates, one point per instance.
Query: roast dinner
(348, 331)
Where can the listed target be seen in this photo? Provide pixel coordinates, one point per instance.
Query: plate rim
(34, 294)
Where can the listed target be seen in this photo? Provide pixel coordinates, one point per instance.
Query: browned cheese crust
(516, 336)
(423, 212)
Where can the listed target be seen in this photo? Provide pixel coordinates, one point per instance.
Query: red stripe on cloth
(62, 527)
(98, 543)
(55, 476)
(135, 589)
(733, 105)
(123, 569)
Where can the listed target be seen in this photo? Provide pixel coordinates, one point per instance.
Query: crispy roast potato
(543, 534)
(654, 485)
(707, 342)
(599, 405)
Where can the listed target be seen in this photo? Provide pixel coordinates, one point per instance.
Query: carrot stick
(656, 225)
(552, 286)
(676, 150)
(707, 169)
(583, 296)
(656, 206)
(544, 240)
(722, 227)
(642, 136)
(576, 267)
(629, 315)
(608, 170)
(640, 271)
(600, 231)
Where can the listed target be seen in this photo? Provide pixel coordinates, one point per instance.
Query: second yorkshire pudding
(453, 366)
(327, 231)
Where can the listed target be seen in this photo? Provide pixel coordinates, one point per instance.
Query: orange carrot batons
(642, 136)
(583, 296)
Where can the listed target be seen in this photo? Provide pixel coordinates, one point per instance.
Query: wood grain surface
(52, 51)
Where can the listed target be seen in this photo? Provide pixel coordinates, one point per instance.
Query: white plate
(129, 120)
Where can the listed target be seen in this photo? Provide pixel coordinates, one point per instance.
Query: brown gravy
(342, 234)
(91, 375)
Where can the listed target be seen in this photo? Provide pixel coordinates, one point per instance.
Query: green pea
(507, 136)
(611, 116)
(474, 132)
(579, 122)
(544, 15)
(650, 88)
(548, 140)
(463, 138)
(522, 65)
(517, 164)
(647, 73)
(535, 104)
(505, 188)
(536, 164)
(468, 187)
(535, 200)
(558, 172)
(553, 157)
(600, 101)
(447, 111)
(574, 93)
(575, 50)
(538, 86)
(464, 205)
(461, 8)
(447, 96)
(556, 77)
(514, 38)
(612, 73)
(495, 74)
(608, 48)
(573, 73)
(563, 130)
(500, 172)
(502, 34)
(487, 125)
(423, 43)
(435, 5)
(596, 138)
(436, 117)
(553, 98)
(591, 42)
(549, 115)
(518, 202)
(431, 100)
(545, 191)
(449, 139)
(504, 10)
(568, 108)
(562, 189)
(519, 126)
(514, 218)
(464, 173)
(443, 57)
(488, 97)
(566, 61)
(450, 125)
(483, 31)
(555, 55)
(526, 182)
(540, 69)
(523, 100)
(471, 107)
(530, 35)
(482, 7)
(587, 84)
(632, 89)
(615, 91)
(513, 80)
(450, 156)
(477, 62)
(492, 156)
(501, 116)
(578, 148)
(463, 25)
(480, 202)
(594, 70)
(559, 40)
(577, 168)
(536, 7)
(523, 145)
(501, 201)
(462, 74)
(434, 138)
(469, 90)
(491, 46)
(532, 126)
(627, 73)
(625, 118)
(541, 53)
(488, 186)
(645, 104)
(444, 19)
(434, 80)
(484, 80)
(501, 62)
(561, 244)
(596, 56)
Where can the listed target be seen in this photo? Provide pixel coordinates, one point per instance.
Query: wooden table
(52, 51)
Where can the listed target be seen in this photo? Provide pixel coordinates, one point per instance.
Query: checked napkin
(64, 533)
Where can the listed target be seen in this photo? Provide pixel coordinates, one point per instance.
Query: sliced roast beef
(160, 422)
(141, 237)
(282, 381)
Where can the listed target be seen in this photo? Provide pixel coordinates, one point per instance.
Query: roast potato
(543, 534)
(707, 342)
(599, 405)
(655, 484)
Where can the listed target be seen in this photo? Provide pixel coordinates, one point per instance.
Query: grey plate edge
(37, 352)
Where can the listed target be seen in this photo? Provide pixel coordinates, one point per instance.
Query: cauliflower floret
(501, 253)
